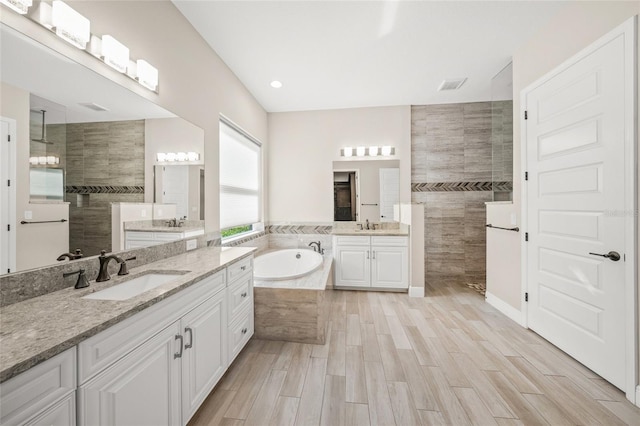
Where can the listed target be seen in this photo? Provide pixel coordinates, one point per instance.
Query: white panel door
(353, 266)
(389, 267)
(143, 388)
(7, 201)
(389, 192)
(205, 352)
(575, 149)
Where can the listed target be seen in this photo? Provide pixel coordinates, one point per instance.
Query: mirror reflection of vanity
(84, 169)
(365, 189)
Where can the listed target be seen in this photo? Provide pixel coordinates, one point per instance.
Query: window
(240, 181)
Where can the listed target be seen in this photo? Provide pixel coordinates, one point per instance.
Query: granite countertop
(40, 328)
(370, 232)
(164, 228)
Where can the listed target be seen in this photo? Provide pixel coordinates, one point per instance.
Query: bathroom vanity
(371, 259)
(151, 236)
(149, 359)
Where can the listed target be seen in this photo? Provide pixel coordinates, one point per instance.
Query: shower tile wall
(105, 164)
(502, 146)
(451, 168)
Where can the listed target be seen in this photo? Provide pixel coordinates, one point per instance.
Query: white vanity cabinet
(44, 394)
(137, 239)
(158, 366)
(371, 261)
(240, 304)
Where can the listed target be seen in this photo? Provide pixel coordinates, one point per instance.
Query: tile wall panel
(451, 174)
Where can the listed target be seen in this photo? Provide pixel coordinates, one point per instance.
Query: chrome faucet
(317, 247)
(103, 274)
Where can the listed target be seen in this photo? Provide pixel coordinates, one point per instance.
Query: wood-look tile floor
(448, 358)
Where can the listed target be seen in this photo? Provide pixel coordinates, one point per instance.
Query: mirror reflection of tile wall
(105, 164)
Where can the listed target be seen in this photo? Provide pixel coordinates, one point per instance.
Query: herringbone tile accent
(104, 189)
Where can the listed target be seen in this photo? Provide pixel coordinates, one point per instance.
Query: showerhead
(43, 135)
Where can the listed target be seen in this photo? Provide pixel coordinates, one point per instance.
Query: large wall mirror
(86, 159)
(366, 189)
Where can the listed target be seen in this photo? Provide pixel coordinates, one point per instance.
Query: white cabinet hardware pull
(190, 344)
(178, 354)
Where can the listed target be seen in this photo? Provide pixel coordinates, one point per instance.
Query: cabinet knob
(244, 294)
(244, 331)
(243, 267)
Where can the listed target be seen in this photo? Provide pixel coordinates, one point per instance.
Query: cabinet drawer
(239, 296)
(34, 390)
(351, 240)
(239, 268)
(139, 235)
(389, 241)
(105, 348)
(239, 333)
(195, 233)
(168, 236)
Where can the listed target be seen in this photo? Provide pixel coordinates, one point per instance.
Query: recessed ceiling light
(276, 84)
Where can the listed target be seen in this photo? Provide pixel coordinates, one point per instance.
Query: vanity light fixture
(70, 25)
(41, 161)
(146, 74)
(387, 150)
(373, 151)
(163, 157)
(20, 6)
(347, 151)
(114, 53)
(360, 151)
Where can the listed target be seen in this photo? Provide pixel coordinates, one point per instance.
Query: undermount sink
(135, 286)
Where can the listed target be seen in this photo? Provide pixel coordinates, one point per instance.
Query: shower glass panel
(502, 134)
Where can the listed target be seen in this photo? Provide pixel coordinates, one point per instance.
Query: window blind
(239, 178)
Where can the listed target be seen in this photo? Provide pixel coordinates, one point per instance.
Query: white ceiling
(343, 54)
(64, 84)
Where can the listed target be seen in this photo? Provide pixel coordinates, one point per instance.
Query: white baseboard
(508, 310)
(416, 291)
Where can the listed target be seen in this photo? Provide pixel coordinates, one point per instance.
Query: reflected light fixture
(20, 6)
(373, 151)
(276, 84)
(360, 151)
(386, 150)
(177, 156)
(70, 25)
(147, 74)
(114, 53)
(41, 161)
(347, 151)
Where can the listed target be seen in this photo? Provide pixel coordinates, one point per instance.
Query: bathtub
(286, 264)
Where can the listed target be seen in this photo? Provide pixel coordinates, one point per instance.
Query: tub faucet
(103, 274)
(317, 247)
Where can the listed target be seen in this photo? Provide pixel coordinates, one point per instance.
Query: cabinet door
(389, 267)
(352, 268)
(61, 414)
(142, 388)
(205, 352)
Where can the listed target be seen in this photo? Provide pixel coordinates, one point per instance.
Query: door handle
(178, 354)
(612, 255)
(190, 331)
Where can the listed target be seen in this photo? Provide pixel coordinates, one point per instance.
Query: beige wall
(31, 249)
(195, 83)
(573, 29)
(303, 146)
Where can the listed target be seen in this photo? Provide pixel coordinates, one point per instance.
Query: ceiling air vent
(94, 106)
(451, 84)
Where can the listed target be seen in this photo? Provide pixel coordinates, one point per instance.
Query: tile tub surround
(451, 174)
(42, 327)
(294, 310)
(20, 286)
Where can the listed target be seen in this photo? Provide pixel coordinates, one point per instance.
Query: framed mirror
(84, 158)
(366, 189)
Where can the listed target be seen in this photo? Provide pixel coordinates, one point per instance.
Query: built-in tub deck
(294, 310)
